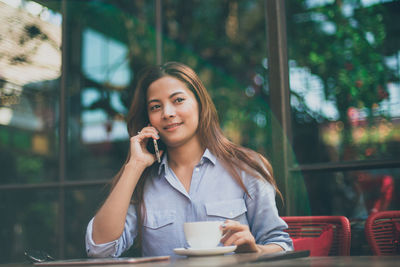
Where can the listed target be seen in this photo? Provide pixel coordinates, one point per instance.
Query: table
(247, 258)
(243, 260)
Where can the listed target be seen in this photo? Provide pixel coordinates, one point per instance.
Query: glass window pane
(28, 221)
(356, 195)
(225, 43)
(111, 51)
(344, 59)
(30, 68)
(80, 207)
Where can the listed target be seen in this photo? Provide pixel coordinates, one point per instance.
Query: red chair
(301, 227)
(382, 230)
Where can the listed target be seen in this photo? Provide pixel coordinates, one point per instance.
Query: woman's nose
(169, 111)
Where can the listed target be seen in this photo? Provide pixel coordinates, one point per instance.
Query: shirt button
(196, 169)
(231, 213)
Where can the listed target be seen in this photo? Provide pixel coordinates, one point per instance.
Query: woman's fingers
(239, 235)
(148, 132)
(232, 237)
(233, 226)
(143, 136)
(228, 228)
(138, 142)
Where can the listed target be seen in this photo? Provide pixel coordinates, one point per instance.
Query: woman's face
(173, 110)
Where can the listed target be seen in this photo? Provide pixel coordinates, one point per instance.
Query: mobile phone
(37, 256)
(154, 146)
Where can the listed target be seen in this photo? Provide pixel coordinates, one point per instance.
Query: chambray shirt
(213, 195)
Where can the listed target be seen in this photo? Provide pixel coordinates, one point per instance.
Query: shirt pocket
(227, 209)
(157, 219)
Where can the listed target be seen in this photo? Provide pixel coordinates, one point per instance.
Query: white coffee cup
(204, 234)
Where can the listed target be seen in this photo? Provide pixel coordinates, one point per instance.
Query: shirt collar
(206, 156)
(163, 164)
(210, 156)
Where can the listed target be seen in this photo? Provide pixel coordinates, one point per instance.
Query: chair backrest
(312, 226)
(382, 230)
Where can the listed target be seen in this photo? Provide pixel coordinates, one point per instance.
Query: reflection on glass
(105, 61)
(225, 42)
(112, 50)
(355, 194)
(80, 208)
(30, 67)
(30, 222)
(344, 79)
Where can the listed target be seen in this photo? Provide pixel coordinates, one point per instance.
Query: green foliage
(224, 41)
(348, 57)
(345, 44)
(30, 167)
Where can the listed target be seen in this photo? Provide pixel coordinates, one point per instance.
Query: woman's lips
(172, 126)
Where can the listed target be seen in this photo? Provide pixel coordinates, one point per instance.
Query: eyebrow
(171, 96)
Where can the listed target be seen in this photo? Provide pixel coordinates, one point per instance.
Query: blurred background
(328, 119)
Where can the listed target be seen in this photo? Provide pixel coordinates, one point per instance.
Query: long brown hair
(235, 158)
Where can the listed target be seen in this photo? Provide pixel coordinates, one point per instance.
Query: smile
(172, 126)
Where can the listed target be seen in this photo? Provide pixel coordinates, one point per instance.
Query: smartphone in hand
(154, 146)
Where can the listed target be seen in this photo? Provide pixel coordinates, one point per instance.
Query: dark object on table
(284, 255)
(37, 256)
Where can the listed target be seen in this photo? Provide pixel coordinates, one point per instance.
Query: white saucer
(204, 251)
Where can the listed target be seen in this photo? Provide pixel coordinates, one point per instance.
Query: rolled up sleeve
(117, 247)
(264, 221)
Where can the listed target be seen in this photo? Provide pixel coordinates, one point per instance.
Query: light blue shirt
(213, 195)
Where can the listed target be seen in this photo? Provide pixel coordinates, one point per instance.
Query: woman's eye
(154, 107)
(179, 99)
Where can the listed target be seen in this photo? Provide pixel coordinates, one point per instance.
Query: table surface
(249, 258)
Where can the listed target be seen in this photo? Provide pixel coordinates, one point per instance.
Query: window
(62, 130)
(344, 81)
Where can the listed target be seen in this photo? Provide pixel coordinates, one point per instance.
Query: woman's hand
(138, 150)
(109, 222)
(239, 235)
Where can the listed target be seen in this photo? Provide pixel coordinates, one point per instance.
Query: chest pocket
(156, 219)
(228, 209)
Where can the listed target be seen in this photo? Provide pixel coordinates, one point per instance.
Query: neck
(185, 155)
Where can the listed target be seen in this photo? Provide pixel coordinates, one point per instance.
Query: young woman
(202, 176)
